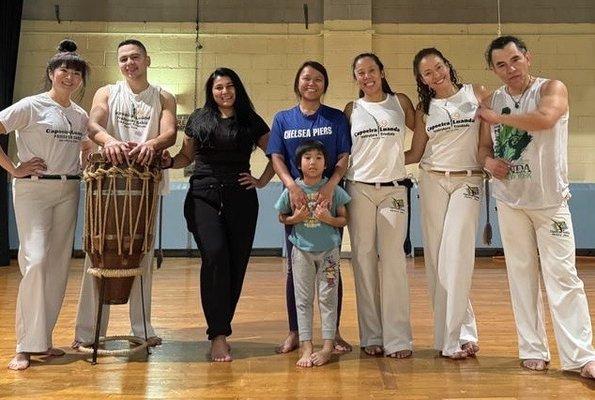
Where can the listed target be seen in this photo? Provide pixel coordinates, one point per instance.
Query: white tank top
(135, 116)
(453, 133)
(377, 135)
(538, 175)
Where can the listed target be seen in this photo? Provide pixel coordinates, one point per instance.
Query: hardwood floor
(179, 369)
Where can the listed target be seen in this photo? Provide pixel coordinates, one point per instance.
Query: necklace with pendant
(517, 103)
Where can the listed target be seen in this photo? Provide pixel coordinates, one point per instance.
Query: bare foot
(154, 341)
(400, 354)
(534, 364)
(459, 355)
(471, 348)
(322, 357)
(373, 350)
(340, 345)
(220, 350)
(290, 343)
(588, 370)
(53, 352)
(19, 362)
(306, 355)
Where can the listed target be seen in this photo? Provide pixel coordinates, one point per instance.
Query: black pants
(289, 287)
(221, 215)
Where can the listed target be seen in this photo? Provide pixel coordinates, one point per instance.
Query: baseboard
(273, 252)
(277, 252)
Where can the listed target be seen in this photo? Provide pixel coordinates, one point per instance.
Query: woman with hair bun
(446, 141)
(50, 135)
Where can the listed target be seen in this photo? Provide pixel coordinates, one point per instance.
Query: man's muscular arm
(145, 152)
(114, 150)
(552, 105)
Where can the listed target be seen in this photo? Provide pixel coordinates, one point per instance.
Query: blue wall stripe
(269, 232)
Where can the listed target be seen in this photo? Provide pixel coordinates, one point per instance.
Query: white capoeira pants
(45, 212)
(89, 301)
(450, 208)
(547, 231)
(377, 228)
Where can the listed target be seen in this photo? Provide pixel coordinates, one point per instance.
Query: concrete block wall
(267, 55)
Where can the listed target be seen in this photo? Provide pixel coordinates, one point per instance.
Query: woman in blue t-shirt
(308, 120)
(221, 207)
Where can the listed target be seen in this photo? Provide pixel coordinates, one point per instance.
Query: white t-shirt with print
(47, 130)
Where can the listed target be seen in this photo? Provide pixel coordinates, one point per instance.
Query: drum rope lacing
(96, 215)
(140, 344)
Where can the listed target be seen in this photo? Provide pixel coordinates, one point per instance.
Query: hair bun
(67, 45)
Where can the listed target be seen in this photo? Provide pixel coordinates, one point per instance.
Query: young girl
(316, 251)
(50, 132)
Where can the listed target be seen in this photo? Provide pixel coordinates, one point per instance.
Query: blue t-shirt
(291, 128)
(311, 234)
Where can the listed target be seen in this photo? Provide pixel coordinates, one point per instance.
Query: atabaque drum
(120, 207)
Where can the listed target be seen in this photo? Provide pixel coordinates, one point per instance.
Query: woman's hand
(325, 194)
(297, 197)
(250, 182)
(34, 166)
(166, 160)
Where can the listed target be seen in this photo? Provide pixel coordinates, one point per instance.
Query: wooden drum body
(120, 208)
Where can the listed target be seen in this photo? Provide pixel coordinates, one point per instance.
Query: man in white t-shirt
(524, 151)
(131, 119)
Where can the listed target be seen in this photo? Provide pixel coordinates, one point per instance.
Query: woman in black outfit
(221, 206)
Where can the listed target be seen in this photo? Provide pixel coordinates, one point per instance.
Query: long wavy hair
(424, 92)
(204, 121)
(385, 86)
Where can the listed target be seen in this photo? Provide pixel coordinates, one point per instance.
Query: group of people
(338, 168)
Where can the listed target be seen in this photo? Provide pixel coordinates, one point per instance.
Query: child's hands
(322, 211)
(300, 214)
